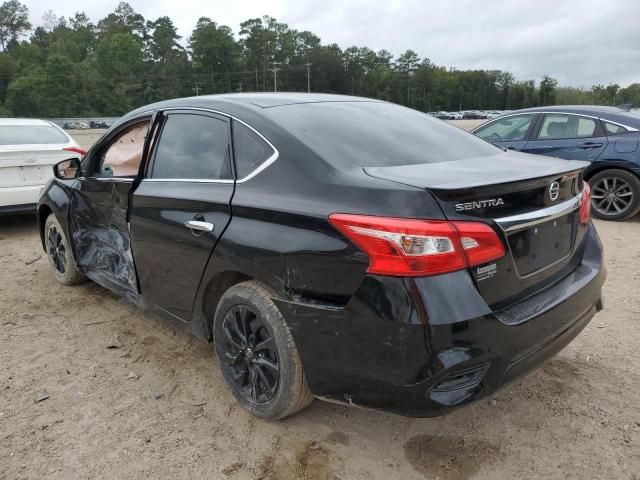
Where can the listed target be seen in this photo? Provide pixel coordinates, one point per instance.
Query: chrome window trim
(274, 156)
(188, 180)
(529, 219)
(626, 127)
(109, 179)
(631, 129)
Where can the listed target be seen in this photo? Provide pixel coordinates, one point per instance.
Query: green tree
(548, 90)
(163, 41)
(14, 22)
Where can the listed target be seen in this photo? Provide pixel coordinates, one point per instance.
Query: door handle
(198, 225)
(587, 145)
(541, 147)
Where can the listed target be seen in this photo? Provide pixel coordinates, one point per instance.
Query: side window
(508, 129)
(193, 146)
(613, 129)
(251, 151)
(558, 126)
(122, 157)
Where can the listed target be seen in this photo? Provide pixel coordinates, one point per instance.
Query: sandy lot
(91, 387)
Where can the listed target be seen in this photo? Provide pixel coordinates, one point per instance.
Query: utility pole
(240, 87)
(275, 76)
(257, 87)
(196, 89)
(308, 65)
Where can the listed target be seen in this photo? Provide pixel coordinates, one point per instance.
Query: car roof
(32, 122)
(613, 114)
(248, 107)
(253, 101)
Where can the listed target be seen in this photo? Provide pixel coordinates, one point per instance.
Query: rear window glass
(361, 134)
(560, 126)
(31, 135)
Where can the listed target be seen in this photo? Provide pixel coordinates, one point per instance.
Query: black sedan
(333, 247)
(607, 137)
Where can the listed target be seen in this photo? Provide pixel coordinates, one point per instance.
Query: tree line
(73, 67)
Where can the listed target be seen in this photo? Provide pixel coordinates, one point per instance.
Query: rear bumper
(422, 347)
(19, 199)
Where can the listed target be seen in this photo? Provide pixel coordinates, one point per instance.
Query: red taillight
(412, 248)
(585, 205)
(77, 150)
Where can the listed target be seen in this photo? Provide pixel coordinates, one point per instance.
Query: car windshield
(361, 134)
(31, 135)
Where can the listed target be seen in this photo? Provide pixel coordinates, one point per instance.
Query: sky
(580, 43)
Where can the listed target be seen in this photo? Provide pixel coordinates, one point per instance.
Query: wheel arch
(213, 292)
(598, 167)
(44, 211)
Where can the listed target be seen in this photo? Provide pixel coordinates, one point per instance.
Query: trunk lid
(31, 166)
(530, 201)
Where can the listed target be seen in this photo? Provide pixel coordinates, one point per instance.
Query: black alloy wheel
(250, 353)
(57, 251)
(257, 355)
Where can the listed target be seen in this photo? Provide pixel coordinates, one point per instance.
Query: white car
(28, 150)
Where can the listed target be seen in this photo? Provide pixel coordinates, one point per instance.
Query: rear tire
(256, 353)
(59, 253)
(615, 194)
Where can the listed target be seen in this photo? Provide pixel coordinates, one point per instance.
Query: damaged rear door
(98, 212)
(181, 207)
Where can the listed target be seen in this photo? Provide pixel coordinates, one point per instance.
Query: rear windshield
(30, 135)
(361, 134)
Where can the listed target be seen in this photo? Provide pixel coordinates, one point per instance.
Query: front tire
(59, 253)
(257, 354)
(615, 194)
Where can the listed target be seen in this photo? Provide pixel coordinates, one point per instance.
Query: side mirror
(67, 169)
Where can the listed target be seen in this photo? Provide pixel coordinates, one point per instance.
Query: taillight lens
(585, 205)
(411, 247)
(78, 150)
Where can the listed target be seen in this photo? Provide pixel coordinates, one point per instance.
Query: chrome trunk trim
(525, 220)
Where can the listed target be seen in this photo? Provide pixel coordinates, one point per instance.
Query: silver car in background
(28, 150)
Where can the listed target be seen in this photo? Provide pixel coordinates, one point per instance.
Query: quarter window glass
(558, 126)
(251, 151)
(122, 156)
(613, 129)
(508, 129)
(193, 146)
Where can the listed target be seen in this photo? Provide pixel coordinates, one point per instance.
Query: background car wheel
(256, 353)
(59, 253)
(615, 194)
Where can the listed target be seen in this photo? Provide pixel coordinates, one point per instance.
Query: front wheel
(257, 354)
(615, 194)
(59, 253)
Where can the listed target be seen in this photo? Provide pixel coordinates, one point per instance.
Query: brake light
(77, 150)
(412, 247)
(585, 205)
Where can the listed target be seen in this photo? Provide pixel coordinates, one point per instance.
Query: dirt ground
(91, 387)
